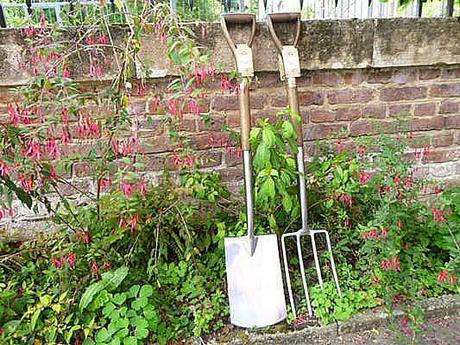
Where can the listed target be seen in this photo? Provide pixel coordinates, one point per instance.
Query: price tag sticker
(244, 61)
(291, 61)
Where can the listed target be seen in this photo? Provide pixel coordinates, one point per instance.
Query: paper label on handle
(291, 61)
(244, 61)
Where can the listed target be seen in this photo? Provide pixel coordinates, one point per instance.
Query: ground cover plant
(135, 261)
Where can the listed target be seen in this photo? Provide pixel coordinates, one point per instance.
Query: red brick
(233, 157)
(443, 139)
(8, 95)
(279, 100)
(347, 114)
(232, 119)
(215, 123)
(311, 98)
(208, 140)
(404, 76)
(258, 100)
(137, 107)
(439, 156)
(232, 175)
(452, 121)
(322, 116)
(267, 80)
(445, 90)
(346, 96)
(269, 114)
(188, 123)
(426, 109)
(366, 127)
(151, 125)
(426, 124)
(374, 111)
(361, 127)
(428, 74)
(154, 162)
(449, 107)
(156, 144)
(379, 76)
(207, 159)
(451, 73)
(354, 77)
(402, 93)
(323, 131)
(305, 80)
(327, 79)
(222, 103)
(398, 110)
(81, 169)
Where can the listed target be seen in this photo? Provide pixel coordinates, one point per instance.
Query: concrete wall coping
(324, 44)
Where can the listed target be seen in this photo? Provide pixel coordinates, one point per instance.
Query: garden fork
(289, 65)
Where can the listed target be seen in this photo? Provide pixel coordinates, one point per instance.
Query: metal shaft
(294, 105)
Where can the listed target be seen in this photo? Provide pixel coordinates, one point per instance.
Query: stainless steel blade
(255, 285)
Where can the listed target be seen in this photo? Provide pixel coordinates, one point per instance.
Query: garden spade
(289, 65)
(255, 285)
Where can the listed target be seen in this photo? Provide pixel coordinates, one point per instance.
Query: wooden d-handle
(281, 18)
(238, 19)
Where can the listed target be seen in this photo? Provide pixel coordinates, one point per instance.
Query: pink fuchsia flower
(345, 199)
(194, 107)
(105, 183)
(71, 258)
(32, 150)
(90, 40)
(127, 189)
(143, 188)
(396, 264)
(384, 232)
(66, 72)
(453, 279)
(438, 189)
(385, 264)
(405, 321)
(442, 276)
(13, 113)
(58, 262)
(397, 179)
(347, 222)
(364, 177)
(200, 73)
(52, 148)
(133, 222)
(122, 223)
(103, 39)
(26, 182)
(439, 215)
(4, 170)
(361, 150)
(29, 32)
(94, 267)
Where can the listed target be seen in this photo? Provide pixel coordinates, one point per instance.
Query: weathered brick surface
(335, 105)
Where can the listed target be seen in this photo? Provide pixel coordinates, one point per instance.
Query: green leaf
(102, 335)
(141, 333)
(139, 303)
(133, 291)
(109, 280)
(119, 298)
(146, 291)
(130, 341)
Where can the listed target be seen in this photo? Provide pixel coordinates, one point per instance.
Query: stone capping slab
(375, 318)
(324, 44)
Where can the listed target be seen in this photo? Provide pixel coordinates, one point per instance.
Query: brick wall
(359, 78)
(424, 101)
